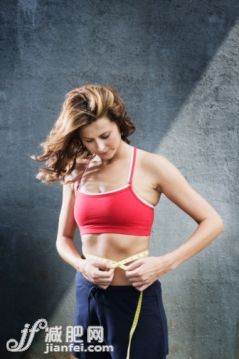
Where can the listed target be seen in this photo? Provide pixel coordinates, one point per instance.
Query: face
(101, 137)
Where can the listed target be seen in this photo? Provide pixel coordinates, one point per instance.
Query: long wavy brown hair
(63, 151)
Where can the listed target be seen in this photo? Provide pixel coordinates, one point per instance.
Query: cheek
(116, 137)
(114, 141)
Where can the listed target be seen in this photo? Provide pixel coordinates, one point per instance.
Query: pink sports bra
(118, 211)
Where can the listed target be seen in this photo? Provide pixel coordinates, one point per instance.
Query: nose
(101, 146)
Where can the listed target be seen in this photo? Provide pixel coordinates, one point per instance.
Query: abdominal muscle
(115, 247)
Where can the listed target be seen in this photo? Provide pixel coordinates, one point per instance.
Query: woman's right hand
(97, 272)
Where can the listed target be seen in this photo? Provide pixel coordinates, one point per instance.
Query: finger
(103, 274)
(137, 284)
(104, 266)
(103, 284)
(142, 285)
(134, 265)
(132, 274)
(103, 269)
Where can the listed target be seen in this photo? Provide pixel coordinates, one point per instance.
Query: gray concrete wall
(176, 65)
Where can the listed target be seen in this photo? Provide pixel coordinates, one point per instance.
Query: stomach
(115, 247)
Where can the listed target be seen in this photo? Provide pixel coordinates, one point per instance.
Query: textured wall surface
(176, 65)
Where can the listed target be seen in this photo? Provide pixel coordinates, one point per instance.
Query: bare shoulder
(151, 159)
(68, 189)
(155, 163)
(68, 198)
(163, 171)
(75, 176)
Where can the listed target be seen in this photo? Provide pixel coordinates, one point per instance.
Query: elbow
(215, 223)
(58, 244)
(62, 241)
(218, 225)
(221, 226)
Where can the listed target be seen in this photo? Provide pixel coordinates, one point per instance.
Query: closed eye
(103, 136)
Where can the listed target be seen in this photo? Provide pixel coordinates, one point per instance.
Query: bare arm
(172, 183)
(175, 187)
(66, 228)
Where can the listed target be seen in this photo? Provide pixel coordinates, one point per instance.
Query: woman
(110, 190)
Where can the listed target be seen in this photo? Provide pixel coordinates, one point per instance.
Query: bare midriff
(115, 247)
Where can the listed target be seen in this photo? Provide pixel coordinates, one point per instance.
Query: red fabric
(121, 211)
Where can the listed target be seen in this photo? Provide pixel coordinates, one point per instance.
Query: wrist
(172, 261)
(78, 264)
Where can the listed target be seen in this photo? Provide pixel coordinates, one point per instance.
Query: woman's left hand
(143, 272)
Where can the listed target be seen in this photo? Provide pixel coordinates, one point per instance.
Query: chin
(110, 154)
(107, 154)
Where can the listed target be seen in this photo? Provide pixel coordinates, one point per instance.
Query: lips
(102, 154)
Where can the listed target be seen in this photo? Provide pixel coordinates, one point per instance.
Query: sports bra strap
(131, 170)
(132, 165)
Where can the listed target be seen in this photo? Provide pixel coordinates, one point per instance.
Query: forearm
(67, 250)
(203, 235)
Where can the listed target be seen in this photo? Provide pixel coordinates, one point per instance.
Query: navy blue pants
(113, 309)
